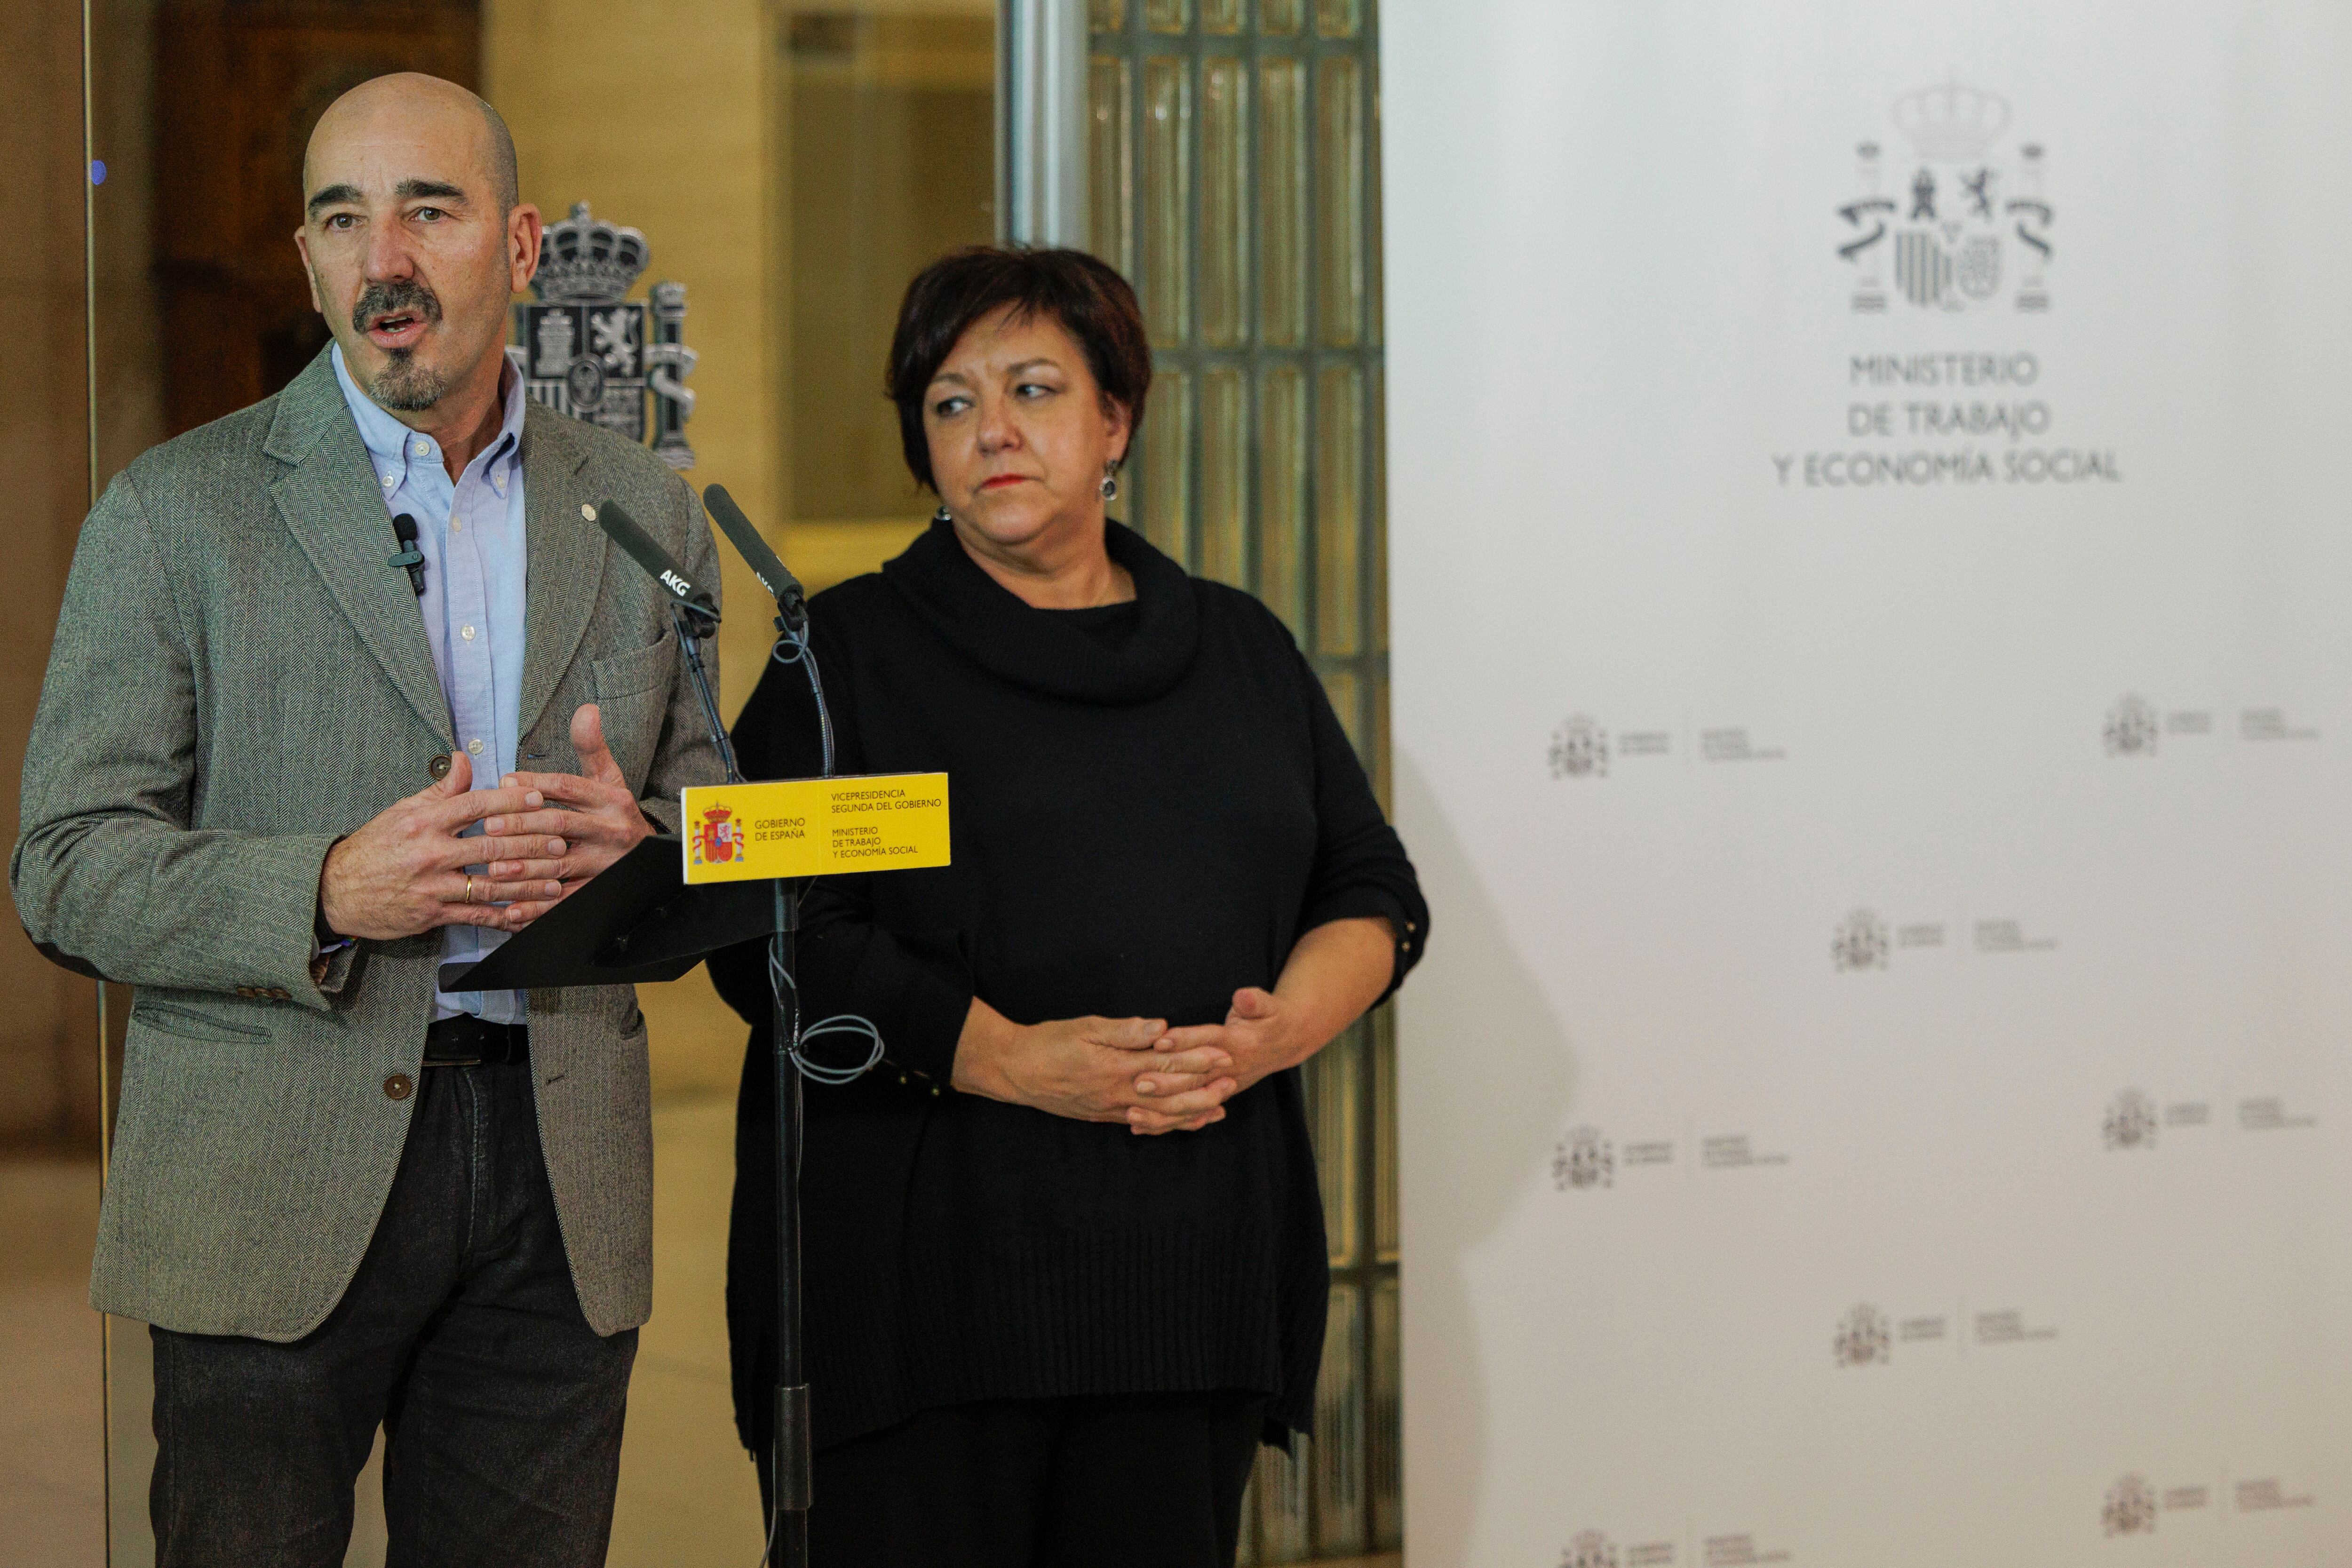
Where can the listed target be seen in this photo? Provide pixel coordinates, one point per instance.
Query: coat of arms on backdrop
(1955, 217)
(2130, 1507)
(1591, 1548)
(585, 349)
(1861, 942)
(1863, 1338)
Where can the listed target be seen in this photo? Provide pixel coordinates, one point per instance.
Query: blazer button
(439, 767)
(399, 1086)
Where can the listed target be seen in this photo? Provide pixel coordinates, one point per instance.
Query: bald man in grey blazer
(274, 784)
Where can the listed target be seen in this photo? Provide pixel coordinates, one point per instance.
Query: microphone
(403, 527)
(792, 604)
(622, 530)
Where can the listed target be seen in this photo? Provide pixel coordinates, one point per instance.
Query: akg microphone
(792, 604)
(622, 530)
(696, 609)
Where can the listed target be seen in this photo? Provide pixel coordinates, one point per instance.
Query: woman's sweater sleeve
(916, 993)
(1360, 870)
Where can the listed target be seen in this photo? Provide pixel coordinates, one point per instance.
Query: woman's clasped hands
(1137, 1072)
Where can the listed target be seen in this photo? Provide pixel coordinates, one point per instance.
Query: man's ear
(525, 233)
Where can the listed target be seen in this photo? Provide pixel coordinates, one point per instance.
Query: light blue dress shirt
(471, 536)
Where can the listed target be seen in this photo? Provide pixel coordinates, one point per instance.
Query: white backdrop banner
(1873, 614)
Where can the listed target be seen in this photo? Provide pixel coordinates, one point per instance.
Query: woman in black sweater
(1065, 1250)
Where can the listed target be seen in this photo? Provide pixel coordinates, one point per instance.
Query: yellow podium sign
(815, 828)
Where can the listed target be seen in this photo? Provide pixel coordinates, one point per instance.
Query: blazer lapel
(566, 559)
(331, 504)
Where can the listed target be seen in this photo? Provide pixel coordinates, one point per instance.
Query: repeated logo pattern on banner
(1873, 624)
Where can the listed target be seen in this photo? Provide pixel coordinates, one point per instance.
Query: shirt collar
(393, 444)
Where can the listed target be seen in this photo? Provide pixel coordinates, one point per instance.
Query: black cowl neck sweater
(1148, 806)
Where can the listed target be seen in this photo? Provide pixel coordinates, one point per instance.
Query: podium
(636, 923)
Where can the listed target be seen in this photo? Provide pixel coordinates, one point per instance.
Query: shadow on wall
(1486, 1076)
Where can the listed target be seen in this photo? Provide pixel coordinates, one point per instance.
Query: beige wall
(663, 122)
(893, 160)
(893, 163)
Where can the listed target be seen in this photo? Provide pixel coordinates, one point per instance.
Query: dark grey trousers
(460, 1335)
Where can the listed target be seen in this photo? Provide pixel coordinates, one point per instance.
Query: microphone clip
(792, 614)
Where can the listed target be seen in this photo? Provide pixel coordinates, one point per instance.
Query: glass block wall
(1234, 177)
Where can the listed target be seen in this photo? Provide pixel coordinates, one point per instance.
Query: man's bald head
(408, 96)
(415, 240)
(505, 178)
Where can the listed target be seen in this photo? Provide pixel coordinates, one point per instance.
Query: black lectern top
(636, 923)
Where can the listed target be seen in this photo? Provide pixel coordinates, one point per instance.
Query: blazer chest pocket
(171, 1018)
(637, 671)
(632, 699)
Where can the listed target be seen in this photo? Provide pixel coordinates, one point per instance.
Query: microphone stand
(694, 613)
(790, 1437)
(789, 1434)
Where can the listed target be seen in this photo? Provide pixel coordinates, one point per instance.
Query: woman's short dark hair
(1086, 298)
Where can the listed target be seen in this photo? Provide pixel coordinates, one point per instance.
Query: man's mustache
(407, 297)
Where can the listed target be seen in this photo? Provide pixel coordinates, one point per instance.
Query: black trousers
(1144, 1480)
(460, 1335)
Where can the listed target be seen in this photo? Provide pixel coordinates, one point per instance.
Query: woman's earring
(1110, 480)
(943, 514)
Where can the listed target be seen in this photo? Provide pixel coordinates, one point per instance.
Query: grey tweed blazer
(239, 678)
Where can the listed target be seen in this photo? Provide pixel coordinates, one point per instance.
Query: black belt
(467, 1041)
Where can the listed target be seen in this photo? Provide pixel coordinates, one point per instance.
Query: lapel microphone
(403, 527)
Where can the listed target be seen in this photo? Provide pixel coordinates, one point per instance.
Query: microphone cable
(792, 647)
(840, 1024)
(805, 656)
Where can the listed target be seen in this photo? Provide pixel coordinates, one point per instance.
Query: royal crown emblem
(1951, 123)
(717, 839)
(585, 260)
(583, 348)
(1963, 222)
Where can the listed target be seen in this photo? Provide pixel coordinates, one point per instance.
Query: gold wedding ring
(469, 888)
